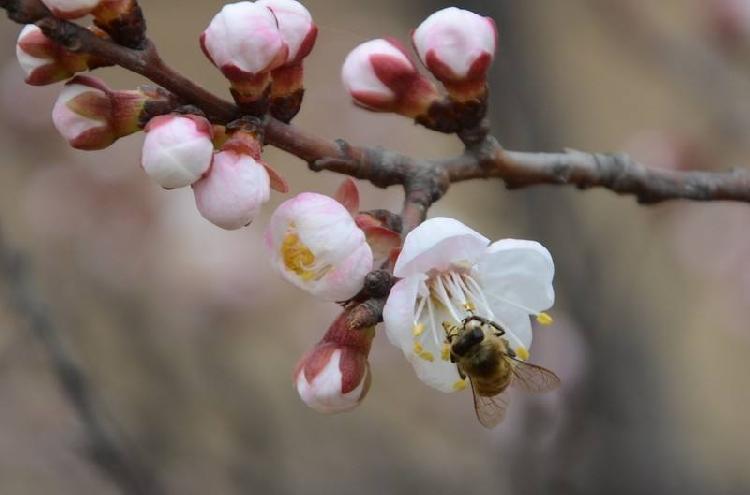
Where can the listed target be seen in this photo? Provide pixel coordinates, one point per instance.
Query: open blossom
(71, 9)
(243, 40)
(449, 271)
(90, 116)
(316, 245)
(334, 376)
(380, 77)
(458, 47)
(177, 150)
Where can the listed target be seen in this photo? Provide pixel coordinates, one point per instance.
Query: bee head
(467, 340)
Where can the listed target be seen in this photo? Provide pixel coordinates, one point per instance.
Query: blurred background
(188, 340)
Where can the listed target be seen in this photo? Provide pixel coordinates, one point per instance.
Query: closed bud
(90, 116)
(380, 77)
(458, 47)
(72, 9)
(177, 150)
(299, 33)
(46, 62)
(334, 376)
(243, 40)
(233, 191)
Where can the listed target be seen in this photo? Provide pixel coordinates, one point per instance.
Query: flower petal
(398, 313)
(437, 244)
(515, 321)
(518, 272)
(345, 280)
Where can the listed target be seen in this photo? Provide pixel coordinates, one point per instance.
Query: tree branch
(424, 181)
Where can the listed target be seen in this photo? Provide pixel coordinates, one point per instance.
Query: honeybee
(482, 354)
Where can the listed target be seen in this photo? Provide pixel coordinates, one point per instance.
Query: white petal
(68, 123)
(518, 272)
(344, 280)
(437, 244)
(295, 22)
(398, 313)
(515, 321)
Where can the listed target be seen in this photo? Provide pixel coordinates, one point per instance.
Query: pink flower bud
(296, 27)
(457, 46)
(90, 116)
(177, 150)
(43, 60)
(335, 376)
(381, 77)
(232, 193)
(244, 42)
(316, 245)
(71, 9)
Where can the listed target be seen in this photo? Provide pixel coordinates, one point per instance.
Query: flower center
(299, 259)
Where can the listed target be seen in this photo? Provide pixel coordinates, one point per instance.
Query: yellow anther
(427, 356)
(544, 319)
(522, 353)
(418, 349)
(459, 385)
(297, 257)
(445, 353)
(469, 307)
(417, 329)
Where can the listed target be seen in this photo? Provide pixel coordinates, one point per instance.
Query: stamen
(459, 385)
(433, 328)
(445, 353)
(444, 298)
(418, 329)
(544, 319)
(299, 259)
(522, 353)
(478, 293)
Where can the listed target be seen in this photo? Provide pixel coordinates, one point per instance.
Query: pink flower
(334, 376)
(71, 9)
(90, 116)
(296, 27)
(316, 245)
(380, 77)
(177, 150)
(232, 193)
(244, 41)
(458, 47)
(448, 272)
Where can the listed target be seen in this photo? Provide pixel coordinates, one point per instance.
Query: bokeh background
(188, 339)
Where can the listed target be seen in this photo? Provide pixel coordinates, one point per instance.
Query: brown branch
(424, 181)
(105, 447)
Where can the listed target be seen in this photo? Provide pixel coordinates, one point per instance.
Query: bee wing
(490, 410)
(532, 378)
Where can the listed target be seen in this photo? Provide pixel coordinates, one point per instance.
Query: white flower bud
(458, 47)
(177, 150)
(380, 77)
(296, 27)
(243, 40)
(71, 9)
(232, 193)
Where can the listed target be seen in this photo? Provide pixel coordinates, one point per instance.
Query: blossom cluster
(323, 245)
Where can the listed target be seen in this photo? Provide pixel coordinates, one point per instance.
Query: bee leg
(450, 331)
(461, 372)
(499, 331)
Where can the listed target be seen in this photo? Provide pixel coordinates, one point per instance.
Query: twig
(424, 181)
(106, 448)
